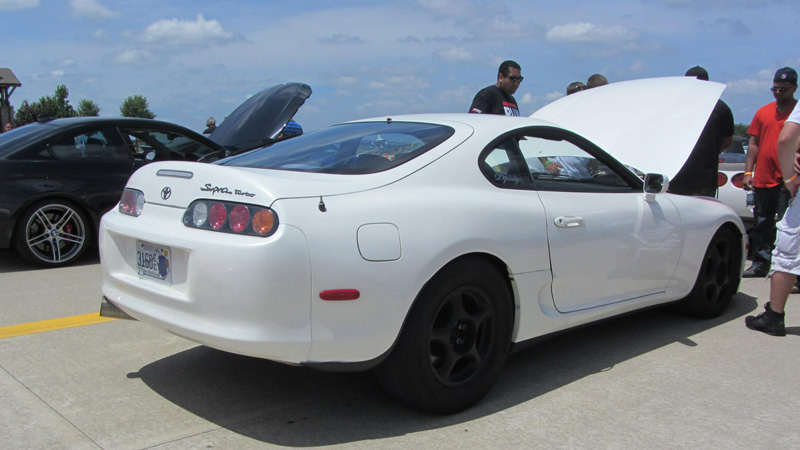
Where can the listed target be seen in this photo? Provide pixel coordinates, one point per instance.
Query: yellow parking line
(52, 324)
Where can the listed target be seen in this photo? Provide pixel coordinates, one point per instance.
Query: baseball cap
(786, 74)
(698, 72)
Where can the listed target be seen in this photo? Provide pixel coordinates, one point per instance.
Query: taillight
(217, 216)
(721, 179)
(263, 222)
(738, 180)
(240, 218)
(132, 202)
(229, 217)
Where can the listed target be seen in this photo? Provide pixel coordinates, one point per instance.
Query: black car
(58, 177)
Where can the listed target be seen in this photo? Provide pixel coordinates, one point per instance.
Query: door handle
(568, 221)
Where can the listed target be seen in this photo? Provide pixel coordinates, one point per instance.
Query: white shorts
(786, 256)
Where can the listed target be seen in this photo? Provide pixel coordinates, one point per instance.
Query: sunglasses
(779, 89)
(516, 79)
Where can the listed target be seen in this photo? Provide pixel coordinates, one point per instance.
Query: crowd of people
(771, 171)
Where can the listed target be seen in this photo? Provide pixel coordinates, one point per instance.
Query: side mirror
(654, 183)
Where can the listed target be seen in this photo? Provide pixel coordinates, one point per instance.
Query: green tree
(136, 106)
(56, 105)
(740, 129)
(88, 108)
(26, 113)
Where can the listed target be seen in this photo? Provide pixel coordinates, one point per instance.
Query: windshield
(357, 148)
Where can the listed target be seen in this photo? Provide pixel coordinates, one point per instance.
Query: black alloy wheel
(718, 279)
(455, 341)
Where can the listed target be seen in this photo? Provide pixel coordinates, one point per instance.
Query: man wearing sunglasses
(763, 172)
(499, 98)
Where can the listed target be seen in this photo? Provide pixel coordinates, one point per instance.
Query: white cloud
(341, 38)
(553, 95)
(185, 32)
(456, 54)
(57, 73)
(755, 85)
(636, 67)
(66, 62)
(13, 5)
(586, 32)
(134, 56)
(91, 9)
(100, 34)
(346, 80)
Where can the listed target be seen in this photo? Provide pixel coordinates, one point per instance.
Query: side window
(560, 165)
(164, 145)
(501, 167)
(97, 145)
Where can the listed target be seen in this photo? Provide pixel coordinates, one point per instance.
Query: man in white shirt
(786, 256)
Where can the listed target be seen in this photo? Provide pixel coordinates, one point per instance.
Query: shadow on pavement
(298, 407)
(11, 262)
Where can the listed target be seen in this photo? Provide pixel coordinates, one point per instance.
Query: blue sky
(194, 59)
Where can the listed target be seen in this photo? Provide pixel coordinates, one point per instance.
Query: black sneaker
(755, 271)
(768, 322)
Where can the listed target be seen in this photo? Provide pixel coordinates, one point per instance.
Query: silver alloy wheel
(55, 233)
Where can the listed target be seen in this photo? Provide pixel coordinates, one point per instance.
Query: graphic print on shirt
(510, 109)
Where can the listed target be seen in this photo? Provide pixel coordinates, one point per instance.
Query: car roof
(116, 121)
(35, 133)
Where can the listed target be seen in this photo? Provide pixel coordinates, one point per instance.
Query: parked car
(58, 177)
(731, 174)
(429, 259)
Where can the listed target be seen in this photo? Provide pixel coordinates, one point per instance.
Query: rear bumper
(241, 294)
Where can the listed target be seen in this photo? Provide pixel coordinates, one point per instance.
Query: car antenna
(322, 207)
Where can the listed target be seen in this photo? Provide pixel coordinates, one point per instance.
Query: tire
(455, 341)
(52, 233)
(718, 279)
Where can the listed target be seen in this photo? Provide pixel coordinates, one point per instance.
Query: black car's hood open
(260, 119)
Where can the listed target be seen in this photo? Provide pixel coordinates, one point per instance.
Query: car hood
(650, 124)
(260, 119)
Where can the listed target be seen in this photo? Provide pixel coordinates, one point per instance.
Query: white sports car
(427, 246)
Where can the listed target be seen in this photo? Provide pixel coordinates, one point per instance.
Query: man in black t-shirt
(499, 98)
(698, 176)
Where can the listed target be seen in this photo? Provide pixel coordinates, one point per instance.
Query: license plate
(153, 261)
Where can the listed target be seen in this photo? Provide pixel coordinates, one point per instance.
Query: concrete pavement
(654, 380)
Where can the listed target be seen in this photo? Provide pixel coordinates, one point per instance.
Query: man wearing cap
(786, 256)
(763, 172)
(499, 98)
(698, 176)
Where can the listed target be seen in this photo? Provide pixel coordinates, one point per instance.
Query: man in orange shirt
(762, 171)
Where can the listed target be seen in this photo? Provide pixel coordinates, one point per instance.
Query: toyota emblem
(166, 192)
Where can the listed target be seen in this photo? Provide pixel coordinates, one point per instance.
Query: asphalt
(653, 379)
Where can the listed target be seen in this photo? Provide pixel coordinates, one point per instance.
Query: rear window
(357, 148)
(16, 138)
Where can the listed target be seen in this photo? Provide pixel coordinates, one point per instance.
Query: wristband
(748, 173)
(787, 181)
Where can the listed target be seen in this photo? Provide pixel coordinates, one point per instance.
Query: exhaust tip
(110, 310)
